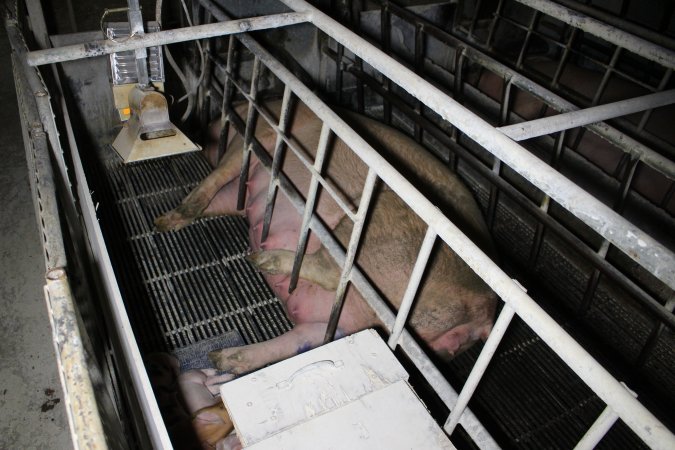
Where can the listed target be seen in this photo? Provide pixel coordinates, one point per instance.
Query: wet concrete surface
(32, 414)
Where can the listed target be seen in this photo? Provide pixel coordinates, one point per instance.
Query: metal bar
(600, 427)
(324, 139)
(598, 430)
(627, 26)
(573, 119)
(609, 69)
(486, 354)
(227, 92)
(276, 162)
(526, 41)
(613, 35)
(413, 285)
(662, 84)
(135, 42)
(354, 239)
(648, 347)
(136, 29)
(564, 57)
(86, 428)
(251, 117)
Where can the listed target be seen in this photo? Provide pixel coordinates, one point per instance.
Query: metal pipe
(641, 247)
(136, 29)
(598, 430)
(486, 354)
(86, 428)
(600, 427)
(135, 42)
(565, 121)
(413, 285)
(352, 247)
(618, 37)
(277, 158)
(324, 140)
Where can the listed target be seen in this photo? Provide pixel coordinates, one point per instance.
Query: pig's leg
(239, 360)
(318, 267)
(229, 443)
(198, 200)
(210, 420)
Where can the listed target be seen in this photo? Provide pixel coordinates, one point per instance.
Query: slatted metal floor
(184, 286)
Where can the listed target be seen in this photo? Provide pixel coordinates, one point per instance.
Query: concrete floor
(32, 414)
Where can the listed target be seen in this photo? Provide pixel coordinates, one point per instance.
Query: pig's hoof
(212, 424)
(232, 360)
(172, 221)
(270, 262)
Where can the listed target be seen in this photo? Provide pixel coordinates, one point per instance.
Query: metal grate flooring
(185, 286)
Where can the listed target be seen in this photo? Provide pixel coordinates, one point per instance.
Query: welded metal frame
(540, 212)
(621, 233)
(517, 302)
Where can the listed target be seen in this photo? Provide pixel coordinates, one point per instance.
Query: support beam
(553, 124)
(106, 47)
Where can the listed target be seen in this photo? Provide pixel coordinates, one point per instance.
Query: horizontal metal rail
(641, 247)
(636, 416)
(642, 47)
(134, 42)
(565, 121)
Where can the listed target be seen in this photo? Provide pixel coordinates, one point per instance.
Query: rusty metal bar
(278, 157)
(135, 42)
(324, 139)
(251, 117)
(359, 222)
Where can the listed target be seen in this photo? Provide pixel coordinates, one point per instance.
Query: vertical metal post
(419, 65)
(324, 140)
(489, 349)
(136, 28)
(526, 41)
(600, 427)
(359, 222)
(662, 85)
(385, 35)
(606, 75)
(493, 25)
(227, 93)
(248, 135)
(564, 57)
(653, 337)
(277, 158)
(413, 285)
